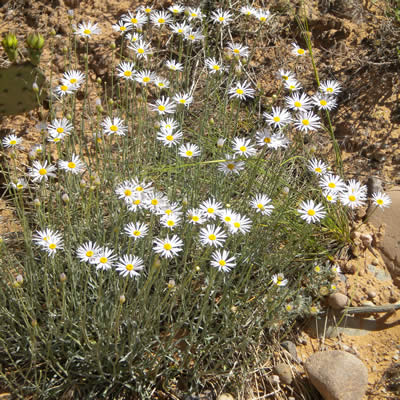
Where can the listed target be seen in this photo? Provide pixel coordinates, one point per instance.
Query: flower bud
(10, 45)
(63, 277)
(35, 87)
(35, 41)
(122, 299)
(36, 202)
(220, 142)
(65, 198)
(34, 323)
(171, 284)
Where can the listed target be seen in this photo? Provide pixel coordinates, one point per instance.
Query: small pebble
(375, 262)
(368, 304)
(284, 372)
(338, 301)
(371, 294)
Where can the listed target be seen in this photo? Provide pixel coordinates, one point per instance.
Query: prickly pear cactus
(17, 94)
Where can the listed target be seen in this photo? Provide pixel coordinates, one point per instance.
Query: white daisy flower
(330, 197)
(19, 184)
(136, 230)
(183, 98)
(12, 141)
(75, 166)
(285, 75)
(263, 15)
(87, 29)
(104, 259)
(292, 85)
(180, 28)
(126, 70)
(298, 102)
(170, 221)
(330, 87)
(189, 150)
(114, 126)
(246, 10)
(240, 224)
(381, 200)
(317, 166)
(227, 216)
(73, 77)
(168, 247)
(239, 50)
(231, 166)
(297, 50)
(161, 83)
(195, 13)
(307, 121)
(212, 235)
(221, 17)
(194, 35)
(195, 216)
(129, 266)
(133, 37)
(122, 27)
(176, 9)
(168, 137)
(136, 20)
(144, 77)
(160, 18)
(173, 65)
(311, 212)
(332, 182)
(324, 101)
(242, 91)
(88, 252)
(164, 105)
(141, 48)
(243, 147)
(279, 280)
(222, 261)
(169, 124)
(64, 89)
(278, 118)
(213, 65)
(41, 171)
(353, 198)
(210, 208)
(261, 203)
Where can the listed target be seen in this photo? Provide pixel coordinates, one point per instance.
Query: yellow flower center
(136, 202)
(56, 139)
(60, 130)
(42, 171)
(300, 51)
(161, 107)
(20, 185)
(331, 185)
(103, 260)
(168, 212)
(352, 198)
(236, 224)
(147, 10)
(182, 101)
(329, 197)
(231, 166)
(122, 28)
(139, 189)
(236, 51)
(317, 268)
(87, 31)
(129, 267)
(277, 119)
(329, 90)
(239, 91)
(379, 201)
(195, 218)
(169, 138)
(127, 192)
(212, 237)
(167, 246)
(134, 20)
(189, 153)
(140, 50)
(73, 80)
(260, 206)
(89, 253)
(113, 128)
(71, 165)
(210, 210)
(318, 169)
(52, 246)
(194, 15)
(263, 19)
(228, 219)
(128, 73)
(221, 19)
(297, 104)
(191, 37)
(311, 212)
(267, 140)
(170, 223)
(243, 148)
(136, 233)
(305, 122)
(154, 202)
(13, 141)
(216, 67)
(64, 88)
(146, 79)
(323, 102)
(221, 263)
(161, 20)
(285, 77)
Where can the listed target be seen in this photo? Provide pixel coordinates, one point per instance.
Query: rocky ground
(354, 42)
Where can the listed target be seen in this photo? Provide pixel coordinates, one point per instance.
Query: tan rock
(338, 301)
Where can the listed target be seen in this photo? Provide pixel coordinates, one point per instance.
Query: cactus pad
(16, 92)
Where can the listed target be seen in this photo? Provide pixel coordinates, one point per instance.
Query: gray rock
(390, 244)
(380, 274)
(371, 294)
(337, 375)
(284, 372)
(374, 184)
(338, 301)
(290, 347)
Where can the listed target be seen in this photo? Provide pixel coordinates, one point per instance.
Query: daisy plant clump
(177, 214)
